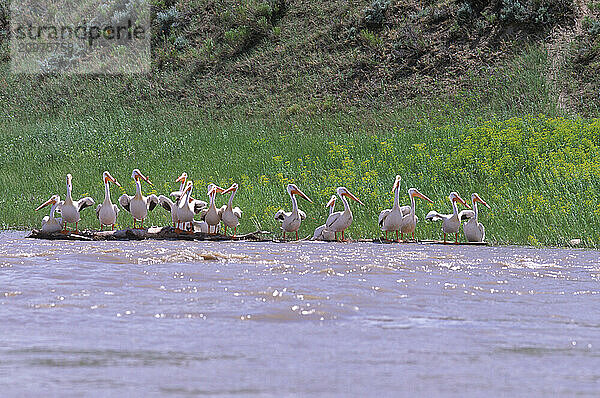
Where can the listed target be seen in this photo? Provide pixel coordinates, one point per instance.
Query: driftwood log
(156, 233)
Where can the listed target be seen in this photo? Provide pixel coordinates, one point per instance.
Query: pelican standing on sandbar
(230, 215)
(49, 223)
(321, 232)
(473, 229)
(341, 220)
(138, 205)
(390, 220)
(409, 218)
(107, 211)
(212, 215)
(290, 221)
(187, 209)
(70, 209)
(450, 222)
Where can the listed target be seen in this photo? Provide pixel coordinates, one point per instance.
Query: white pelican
(196, 203)
(290, 221)
(138, 205)
(230, 215)
(106, 211)
(49, 223)
(390, 220)
(341, 220)
(409, 219)
(70, 209)
(212, 215)
(450, 222)
(473, 229)
(183, 211)
(321, 232)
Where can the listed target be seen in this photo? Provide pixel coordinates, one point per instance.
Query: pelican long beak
(145, 179)
(231, 188)
(46, 203)
(112, 179)
(181, 178)
(299, 192)
(478, 199)
(348, 194)
(462, 202)
(420, 195)
(331, 202)
(216, 189)
(396, 184)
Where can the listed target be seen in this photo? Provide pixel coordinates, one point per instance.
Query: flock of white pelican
(183, 209)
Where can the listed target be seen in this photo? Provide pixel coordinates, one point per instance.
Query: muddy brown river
(175, 318)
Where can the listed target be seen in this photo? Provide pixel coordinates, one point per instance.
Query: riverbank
(539, 174)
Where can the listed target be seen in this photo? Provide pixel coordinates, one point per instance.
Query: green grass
(539, 174)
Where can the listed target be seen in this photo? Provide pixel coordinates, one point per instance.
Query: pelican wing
(301, 214)
(116, 210)
(221, 210)
(165, 202)
(466, 214)
(382, 216)
(434, 216)
(124, 201)
(332, 219)
(98, 211)
(281, 215)
(85, 203)
(152, 201)
(318, 234)
(237, 212)
(405, 210)
(199, 205)
(203, 213)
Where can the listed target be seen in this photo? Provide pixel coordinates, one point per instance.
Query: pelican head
(53, 199)
(137, 174)
(475, 198)
(414, 192)
(343, 191)
(331, 202)
(106, 177)
(396, 183)
(234, 187)
(454, 197)
(188, 187)
(292, 189)
(182, 178)
(213, 188)
(69, 181)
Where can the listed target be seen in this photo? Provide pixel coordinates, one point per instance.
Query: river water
(175, 318)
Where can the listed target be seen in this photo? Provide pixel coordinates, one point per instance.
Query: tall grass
(539, 174)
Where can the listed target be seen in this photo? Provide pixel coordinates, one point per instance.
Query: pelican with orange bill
(450, 222)
(473, 229)
(50, 224)
(290, 221)
(341, 220)
(138, 205)
(107, 211)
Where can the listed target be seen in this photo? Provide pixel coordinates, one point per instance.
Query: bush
(374, 16)
(538, 12)
(167, 20)
(592, 26)
(465, 12)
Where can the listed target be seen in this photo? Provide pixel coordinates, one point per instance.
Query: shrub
(465, 12)
(167, 20)
(592, 26)
(374, 15)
